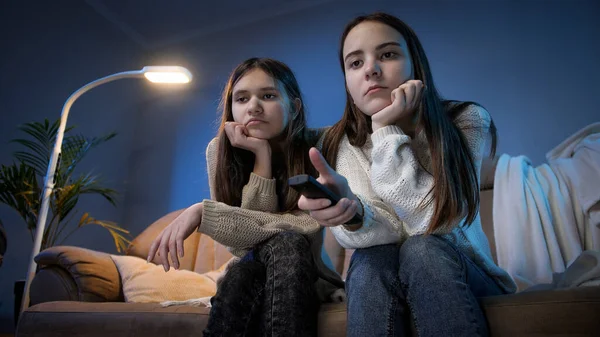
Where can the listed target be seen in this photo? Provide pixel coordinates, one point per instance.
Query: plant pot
(18, 291)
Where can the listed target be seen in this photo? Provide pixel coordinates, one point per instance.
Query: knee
(285, 246)
(373, 265)
(242, 275)
(289, 253)
(426, 253)
(422, 246)
(419, 245)
(289, 240)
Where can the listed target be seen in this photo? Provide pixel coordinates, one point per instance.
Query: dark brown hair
(455, 193)
(234, 165)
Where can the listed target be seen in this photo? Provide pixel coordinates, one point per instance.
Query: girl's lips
(374, 90)
(254, 122)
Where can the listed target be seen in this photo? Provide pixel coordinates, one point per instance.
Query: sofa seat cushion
(572, 312)
(566, 312)
(119, 319)
(112, 319)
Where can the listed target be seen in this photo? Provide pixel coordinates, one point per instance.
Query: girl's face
(376, 61)
(260, 104)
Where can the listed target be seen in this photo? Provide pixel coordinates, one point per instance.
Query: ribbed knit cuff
(381, 133)
(210, 218)
(263, 185)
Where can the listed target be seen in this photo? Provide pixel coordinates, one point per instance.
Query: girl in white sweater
(409, 162)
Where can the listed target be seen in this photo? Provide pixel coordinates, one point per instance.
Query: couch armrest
(75, 274)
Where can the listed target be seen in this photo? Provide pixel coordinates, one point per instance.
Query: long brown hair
(234, 165)
(455, 193)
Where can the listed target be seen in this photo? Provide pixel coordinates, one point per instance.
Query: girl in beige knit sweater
(409, 162)
(262, 141)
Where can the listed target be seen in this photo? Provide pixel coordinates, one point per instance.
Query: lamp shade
(167, 74)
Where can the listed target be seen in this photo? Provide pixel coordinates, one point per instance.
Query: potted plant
(22, 183)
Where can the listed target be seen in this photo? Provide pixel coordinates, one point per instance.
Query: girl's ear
(297, 106)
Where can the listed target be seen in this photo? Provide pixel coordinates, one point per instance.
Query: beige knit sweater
(242, 228)
(391, 176)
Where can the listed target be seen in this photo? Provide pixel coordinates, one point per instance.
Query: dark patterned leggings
(270, 292)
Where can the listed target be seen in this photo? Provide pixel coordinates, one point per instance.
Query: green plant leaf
(44, 132)
(40, 164)
(121, 242)
(76, 147)
(21, 184)
(65, 199)
(19, 190)
(91, 185)
(73, 150)
(37, 148)
(44, 135)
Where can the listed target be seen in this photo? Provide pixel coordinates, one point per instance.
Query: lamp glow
(167, 74)
(155, 74)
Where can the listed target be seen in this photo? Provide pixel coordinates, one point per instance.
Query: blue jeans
(427, 283)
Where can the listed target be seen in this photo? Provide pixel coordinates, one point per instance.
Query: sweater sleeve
(242, 229)
(239, 228)
(211, 165)
(380, 223)
(259, 194)
(398, 177)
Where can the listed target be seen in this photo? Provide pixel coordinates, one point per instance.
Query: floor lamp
(155, 74)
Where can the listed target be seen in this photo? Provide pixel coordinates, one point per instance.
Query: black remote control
(311, 188)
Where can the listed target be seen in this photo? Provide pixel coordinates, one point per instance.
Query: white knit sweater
(393, 184)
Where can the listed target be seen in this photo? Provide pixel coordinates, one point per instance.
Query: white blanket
(545, 216)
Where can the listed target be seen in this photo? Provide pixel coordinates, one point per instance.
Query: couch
(78, 292)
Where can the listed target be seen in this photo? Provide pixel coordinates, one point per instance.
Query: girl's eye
(388, 55)
(355, 64)
(269, 96)
(241, 99)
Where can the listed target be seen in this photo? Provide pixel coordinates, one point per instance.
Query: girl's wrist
(262, 163)
(376, 126)
(360, 210)
(197, 210)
